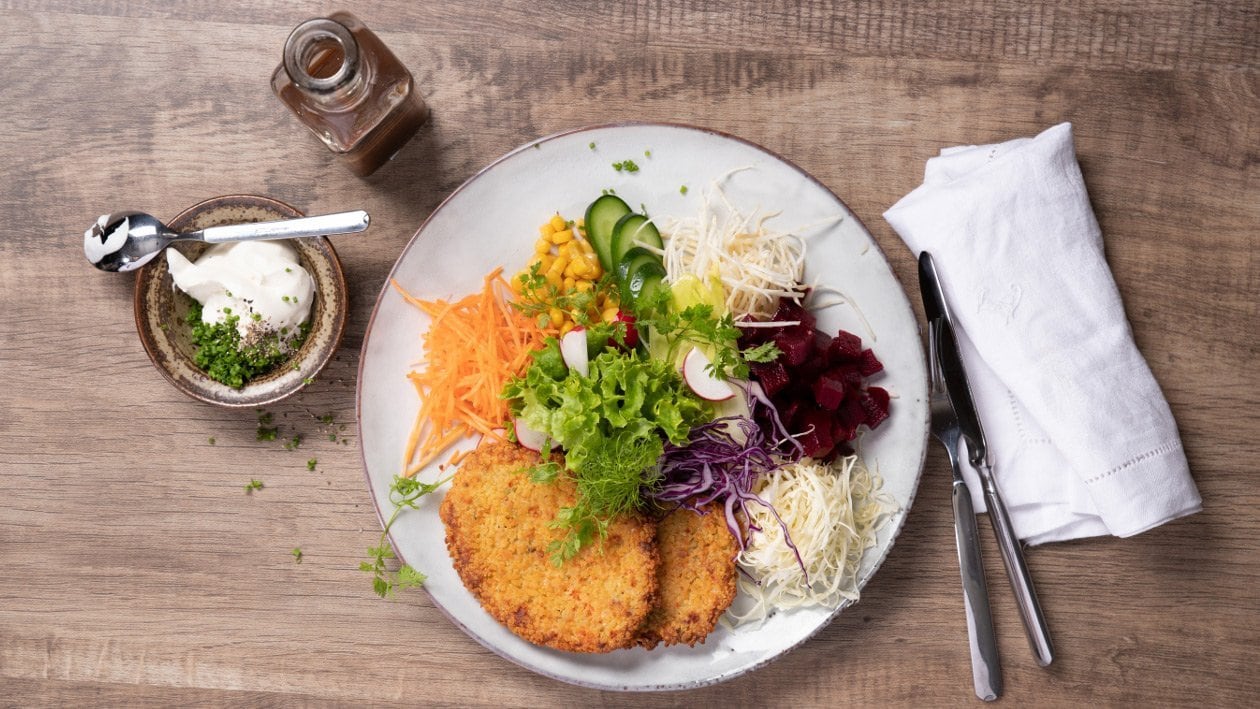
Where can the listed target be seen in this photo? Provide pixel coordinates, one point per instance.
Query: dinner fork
(986, 669)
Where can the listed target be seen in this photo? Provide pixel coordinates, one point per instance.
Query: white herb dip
(261, 281)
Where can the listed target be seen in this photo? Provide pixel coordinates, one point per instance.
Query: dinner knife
(955, 375)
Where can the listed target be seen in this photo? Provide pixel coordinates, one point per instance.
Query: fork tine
(934, 365)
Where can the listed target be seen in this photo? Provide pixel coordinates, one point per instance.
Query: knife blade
(937, 309)
(951, 363)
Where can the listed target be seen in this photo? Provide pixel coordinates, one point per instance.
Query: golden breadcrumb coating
(497, 532)
(696, 577)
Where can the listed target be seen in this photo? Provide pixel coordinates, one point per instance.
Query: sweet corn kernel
(545, 261)
(577, 267)
(562, 236)
(542, 246)
(557, 222)
(569, 283)
(585, 286)
(559, 264)
(610, 314)
(556, 315)
(565, 328)
(546, 229)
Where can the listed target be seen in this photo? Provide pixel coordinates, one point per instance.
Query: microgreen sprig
(404, 493)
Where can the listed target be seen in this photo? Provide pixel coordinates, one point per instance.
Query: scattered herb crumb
(682, 190)
(326, 419)
(310, 464)
(297, 554)
(308, 380)
(266, 432)
(592, 145)
(212, 440)
(253, 485)
(332, 437)
(627, 165)
(293, 443)
(647, 153)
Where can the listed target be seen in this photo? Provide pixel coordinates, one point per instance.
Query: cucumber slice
(630, 231)
(639, 275)
(642, 283)
(631, 260)
(601, 217)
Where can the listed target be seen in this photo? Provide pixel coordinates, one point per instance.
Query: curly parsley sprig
(536, 297)
(404, 493)
(699, 326)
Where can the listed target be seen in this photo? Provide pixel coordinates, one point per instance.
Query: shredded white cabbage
(756, 264)
(832, 513)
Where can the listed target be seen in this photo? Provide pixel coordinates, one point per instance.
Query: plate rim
(385, 287)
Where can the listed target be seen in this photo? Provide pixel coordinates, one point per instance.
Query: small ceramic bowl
(161, 309)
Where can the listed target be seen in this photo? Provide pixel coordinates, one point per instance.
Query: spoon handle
(322, 225)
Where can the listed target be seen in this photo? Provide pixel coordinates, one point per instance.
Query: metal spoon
(125, 241)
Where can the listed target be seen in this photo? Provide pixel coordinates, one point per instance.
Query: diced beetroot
(845, 347)
(828, 392)
(818, 385)
(791, 310)
(816, 437)
(847, 373)
(809, 370)
(840, 432)
(753, 336)
(772, 376)
(795, 343)
(822, 342)
(851, 414)
(868, 364)
(790, 413)
(875, 403)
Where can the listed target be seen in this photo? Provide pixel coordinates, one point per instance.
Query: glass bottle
(344, 84)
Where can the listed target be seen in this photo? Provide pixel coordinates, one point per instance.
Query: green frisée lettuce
(612, 424)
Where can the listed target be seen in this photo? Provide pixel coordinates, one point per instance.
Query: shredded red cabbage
(714, 466)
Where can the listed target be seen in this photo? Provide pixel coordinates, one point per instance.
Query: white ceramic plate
(492, 221)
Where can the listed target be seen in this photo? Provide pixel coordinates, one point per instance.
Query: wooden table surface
(135, 571)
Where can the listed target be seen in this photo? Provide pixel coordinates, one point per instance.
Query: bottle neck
(322, 58)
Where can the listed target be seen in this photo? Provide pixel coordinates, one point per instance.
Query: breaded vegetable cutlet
(497, 532)
(696, 576)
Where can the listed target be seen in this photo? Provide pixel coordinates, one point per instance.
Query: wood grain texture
(137, 572)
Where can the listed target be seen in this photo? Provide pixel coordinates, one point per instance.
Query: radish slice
(528, 437)
(573, 350)
(695, 371)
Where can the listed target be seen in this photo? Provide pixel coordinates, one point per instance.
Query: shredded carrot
(472, 348)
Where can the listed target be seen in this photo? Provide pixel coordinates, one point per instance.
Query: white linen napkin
(1081, 438)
